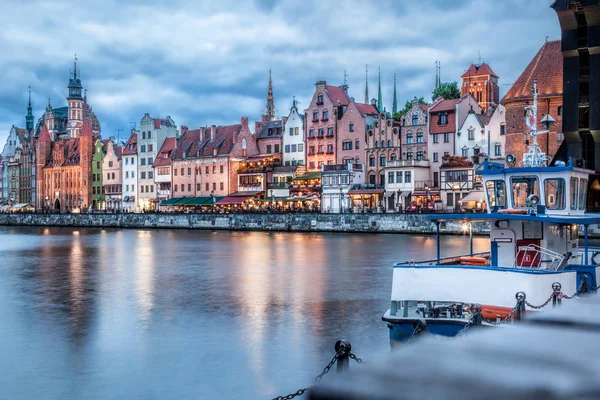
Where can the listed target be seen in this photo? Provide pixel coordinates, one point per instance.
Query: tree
(447, 90)
(398, 115)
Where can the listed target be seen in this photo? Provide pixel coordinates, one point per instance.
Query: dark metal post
(471, 238)
(556, 289)
(520, 305)
(437, 238)
(585, 244)
(343, 347)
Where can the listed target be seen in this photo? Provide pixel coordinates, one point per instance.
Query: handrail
(434, 261)
(539, 252)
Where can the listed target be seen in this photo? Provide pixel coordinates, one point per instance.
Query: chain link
(541, 305)
(355, 358)
(328, 367)
(292, 395)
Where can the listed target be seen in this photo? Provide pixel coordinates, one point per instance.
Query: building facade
(482, 136)
(269, 138)
(337, 181)
(129, 173)
(98, 199)
(112, 175)
(293, 141)
(153, 132)
(162, 169)
(206, 160)
(63, 152)
(383, 144)
(406, 182)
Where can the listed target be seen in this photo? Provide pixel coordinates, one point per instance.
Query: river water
(177, 314)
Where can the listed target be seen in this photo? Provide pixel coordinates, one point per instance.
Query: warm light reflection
(144, 275)
(77, 284)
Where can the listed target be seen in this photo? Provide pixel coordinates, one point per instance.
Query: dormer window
(443, 119)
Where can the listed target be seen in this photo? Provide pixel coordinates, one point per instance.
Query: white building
(294, 149)
(130, 171)
(153, 132)
(337, 180)
(112, 180)
(163, 169)
(482, 135)
(406, 181)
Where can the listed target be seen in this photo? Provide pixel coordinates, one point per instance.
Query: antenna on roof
(345, 78)
(547, 39)
(479, 59)
(134, 124)
(118, 135)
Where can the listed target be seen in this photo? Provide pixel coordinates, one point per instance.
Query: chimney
(202, 133)
(320, 84)
(284, 120)
(244, 122)
(184, 129)
(213, 132)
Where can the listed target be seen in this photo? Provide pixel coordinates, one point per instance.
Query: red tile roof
(482, 69)
(547, 68)
(424, 107)
(163, 157)
(118, 151)
(195, 146)
(160, 121)
(337, 93)
(367, 108)
(444, 105)
(131, 145)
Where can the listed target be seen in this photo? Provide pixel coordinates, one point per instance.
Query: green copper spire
(29, 116)
(395, 102)
(367, 84)
(379, 98)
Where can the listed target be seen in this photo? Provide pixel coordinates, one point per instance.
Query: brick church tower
(482, 83)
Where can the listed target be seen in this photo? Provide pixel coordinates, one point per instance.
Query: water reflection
(189, 314)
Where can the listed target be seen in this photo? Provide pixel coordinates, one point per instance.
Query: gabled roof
(271, 129)
(118, 151)
(366, 108)
(196, 146)
(160, 121)
(444, 105)
(481, 69)
(337, 95)
(131, 145)
(163, 157)
(547, 68)
(44, 135)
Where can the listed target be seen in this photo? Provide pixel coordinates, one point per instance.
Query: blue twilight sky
(207, 62)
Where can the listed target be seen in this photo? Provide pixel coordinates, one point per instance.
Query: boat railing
(451, 260)
(537, 257)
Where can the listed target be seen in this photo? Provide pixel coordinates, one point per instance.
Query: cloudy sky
(207, 62)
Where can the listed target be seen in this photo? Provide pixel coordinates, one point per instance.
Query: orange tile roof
(547, 68)
(367, 108)
(337, 95)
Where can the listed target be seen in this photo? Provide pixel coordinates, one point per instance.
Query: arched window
(382, 160)
(376, 144)
(389, 143)
(244, 152)
(409, 138)
(383, 144)
(382, 132)
(393, 157)
(371, 161)
(419, 137)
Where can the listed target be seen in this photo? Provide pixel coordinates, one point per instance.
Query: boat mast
(535, 157)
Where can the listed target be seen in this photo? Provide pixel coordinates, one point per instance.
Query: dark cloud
(207, 62)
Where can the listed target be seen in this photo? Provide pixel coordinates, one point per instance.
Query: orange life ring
(479, 261)
(512, 211)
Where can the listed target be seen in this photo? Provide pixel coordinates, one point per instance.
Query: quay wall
(374, 223)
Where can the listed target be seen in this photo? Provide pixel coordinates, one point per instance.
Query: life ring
(479, 261)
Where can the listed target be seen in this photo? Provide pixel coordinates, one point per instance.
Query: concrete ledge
(376, 223)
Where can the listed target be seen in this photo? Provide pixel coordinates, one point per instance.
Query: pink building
(335, 127)
(383, 145)
(269, 138)
(206, 160)
(162, 169)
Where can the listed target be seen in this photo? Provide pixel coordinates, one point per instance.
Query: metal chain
(319, 377)
(355, 358)
(413, 334)
(541, 305)
(328, 367)
(292, 395)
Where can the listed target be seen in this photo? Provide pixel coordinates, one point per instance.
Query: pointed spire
(395, 101)
(49, 106)
(75, 68)
(85, 95)
(270, 100)
(436, 75)
(379, 98)
(29, 116)
(367, 84)
(439, 82)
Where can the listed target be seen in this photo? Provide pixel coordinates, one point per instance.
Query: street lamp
(47, 205)
(341, 200)
(272, 197)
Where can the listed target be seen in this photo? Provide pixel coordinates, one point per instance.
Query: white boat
(535, 213)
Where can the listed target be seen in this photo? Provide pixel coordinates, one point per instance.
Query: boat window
(522, 187)
(555, 193)
(574, 192)
(582, 193)
(496, 193)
